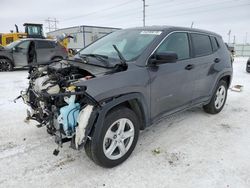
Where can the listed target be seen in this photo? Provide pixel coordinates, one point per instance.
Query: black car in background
(248, 66)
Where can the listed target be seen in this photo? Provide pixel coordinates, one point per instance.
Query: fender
(98, 116)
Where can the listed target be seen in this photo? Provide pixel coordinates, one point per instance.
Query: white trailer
(83, 35)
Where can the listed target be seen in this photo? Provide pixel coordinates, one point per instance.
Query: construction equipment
(31, 31)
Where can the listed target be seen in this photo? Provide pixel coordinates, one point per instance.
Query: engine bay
(56, 103)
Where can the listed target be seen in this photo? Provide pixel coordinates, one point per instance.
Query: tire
(218, 99)
(87, 148)
(248, 68)
(110, 146)
(5, 65)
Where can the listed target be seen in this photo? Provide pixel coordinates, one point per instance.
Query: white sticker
(151, 32)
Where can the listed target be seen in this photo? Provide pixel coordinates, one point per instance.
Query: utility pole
(244, 44)
(144, 12)
(192, 24)
(229, 36)
(52, 24)
(246, 38)
(144, 6)
(234, 40)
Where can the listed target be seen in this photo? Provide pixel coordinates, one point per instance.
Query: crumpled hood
(94, 70)
(94, 67)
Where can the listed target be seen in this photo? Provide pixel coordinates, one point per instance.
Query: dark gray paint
(167, 88)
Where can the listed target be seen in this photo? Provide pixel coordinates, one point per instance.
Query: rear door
(45, 50)
(172, 83)
(205, 56)
(20, 53)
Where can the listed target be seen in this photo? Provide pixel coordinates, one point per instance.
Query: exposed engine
(55, 101)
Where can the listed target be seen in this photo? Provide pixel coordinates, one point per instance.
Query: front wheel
(218, 100)
(116, 139)
(5, 65)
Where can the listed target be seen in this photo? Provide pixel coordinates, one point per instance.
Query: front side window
(178, 43)
(131, 43)
(24, 45)
(201, 44)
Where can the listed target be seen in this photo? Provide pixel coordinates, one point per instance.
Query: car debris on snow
(237, 88)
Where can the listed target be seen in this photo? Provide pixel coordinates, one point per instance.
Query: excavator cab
(34, 30)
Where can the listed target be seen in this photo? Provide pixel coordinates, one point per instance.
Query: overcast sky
(219, 16)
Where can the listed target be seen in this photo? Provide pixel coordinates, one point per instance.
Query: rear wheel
(115, 140)
(5, 65)
(218, 100)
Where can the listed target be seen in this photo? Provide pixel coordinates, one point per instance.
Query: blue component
(69, 115)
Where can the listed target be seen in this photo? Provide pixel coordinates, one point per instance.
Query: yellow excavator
(32, 30)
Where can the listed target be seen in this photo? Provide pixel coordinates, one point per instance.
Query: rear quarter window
(201, 45)
(215, 44)
(45, 44)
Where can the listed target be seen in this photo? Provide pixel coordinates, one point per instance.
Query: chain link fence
(242, 50)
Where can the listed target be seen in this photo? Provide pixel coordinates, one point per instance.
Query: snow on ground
(195, 149)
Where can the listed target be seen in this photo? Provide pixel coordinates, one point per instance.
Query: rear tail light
(65, 49)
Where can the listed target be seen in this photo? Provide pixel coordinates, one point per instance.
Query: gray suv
(125, 82)
(18, 53)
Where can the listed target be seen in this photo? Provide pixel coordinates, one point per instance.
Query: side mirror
(16, 49)
(163, 57)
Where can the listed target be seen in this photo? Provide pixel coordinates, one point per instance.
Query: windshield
(12, 45)
(130, 43)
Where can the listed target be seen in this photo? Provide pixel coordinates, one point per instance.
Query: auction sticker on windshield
(151, 32)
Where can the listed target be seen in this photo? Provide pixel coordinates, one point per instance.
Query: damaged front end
(56, 102)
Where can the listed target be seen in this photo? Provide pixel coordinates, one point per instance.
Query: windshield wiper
(123, 60)
(99, 57)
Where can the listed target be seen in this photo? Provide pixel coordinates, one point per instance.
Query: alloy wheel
(118, 139)
(220, 97)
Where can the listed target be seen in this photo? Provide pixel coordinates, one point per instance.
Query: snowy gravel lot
(194, 149)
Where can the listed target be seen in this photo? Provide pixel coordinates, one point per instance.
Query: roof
(174, 28)
(37, 39)
(32, 24)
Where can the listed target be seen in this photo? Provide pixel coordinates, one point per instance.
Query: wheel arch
(5, 57)
(227, 79)
(135, 104)
(133, 101)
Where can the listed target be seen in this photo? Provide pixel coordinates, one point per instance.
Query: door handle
(217, 60)
(189, 67)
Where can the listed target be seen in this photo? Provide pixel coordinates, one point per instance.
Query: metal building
(83, 35)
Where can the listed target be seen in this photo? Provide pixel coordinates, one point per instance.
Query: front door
(172, 83)
(20, 53)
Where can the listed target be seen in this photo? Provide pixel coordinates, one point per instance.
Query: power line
(101, 10)
(201, 11)
(197, 7)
